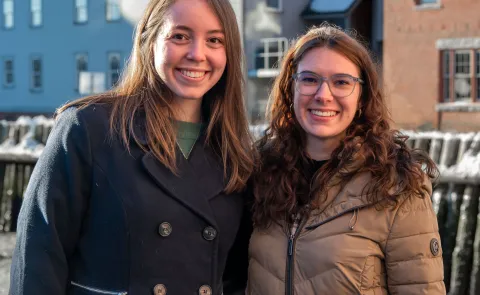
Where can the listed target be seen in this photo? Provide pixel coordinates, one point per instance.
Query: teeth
(323, 114)
(193, 74)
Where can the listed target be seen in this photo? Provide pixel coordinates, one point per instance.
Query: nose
(323, 93)
(196, 52)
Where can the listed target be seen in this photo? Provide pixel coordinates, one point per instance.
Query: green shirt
(187, 135)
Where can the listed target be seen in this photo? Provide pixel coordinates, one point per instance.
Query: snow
(324, 6)
(27, 146)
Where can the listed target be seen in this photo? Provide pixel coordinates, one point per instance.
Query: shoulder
(90, 116)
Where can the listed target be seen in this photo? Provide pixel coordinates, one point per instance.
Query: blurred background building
(55, 51)
(428, 51)
(431, 63)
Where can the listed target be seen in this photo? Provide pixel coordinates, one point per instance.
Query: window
(91, 83)
(81, 65)
(81, 11)
(477, 66)
(421, 2)
(274, 4)
(8, 80)
(461, 75)
(114, 69)
(36, 12)
(270, 53)
(112, 10)
(8, 14)
(36, 70)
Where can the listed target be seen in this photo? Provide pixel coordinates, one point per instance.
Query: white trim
(459, 106)
(428, 6)
(458, 43)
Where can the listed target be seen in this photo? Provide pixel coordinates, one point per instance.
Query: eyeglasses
(340, 85)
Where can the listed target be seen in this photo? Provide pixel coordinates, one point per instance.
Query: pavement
(7, 243)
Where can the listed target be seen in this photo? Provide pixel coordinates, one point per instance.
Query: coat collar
(342, 200)
(199, 178)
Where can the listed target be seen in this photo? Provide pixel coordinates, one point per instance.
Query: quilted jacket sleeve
(413, 253)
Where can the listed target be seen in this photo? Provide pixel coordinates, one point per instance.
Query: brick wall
(411, 61)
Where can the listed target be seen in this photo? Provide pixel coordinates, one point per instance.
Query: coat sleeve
(413, 253)
(236, 269)
(54, 203)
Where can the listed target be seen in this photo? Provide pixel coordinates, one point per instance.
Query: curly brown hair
(370, 145)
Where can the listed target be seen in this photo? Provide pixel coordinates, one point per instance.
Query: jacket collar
(342, 200)
(199, 178)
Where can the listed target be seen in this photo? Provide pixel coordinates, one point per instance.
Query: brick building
(431, 63)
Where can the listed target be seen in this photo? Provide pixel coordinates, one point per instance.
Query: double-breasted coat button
(159, 289)
(205, 290)
(165, 229)
(209, 233)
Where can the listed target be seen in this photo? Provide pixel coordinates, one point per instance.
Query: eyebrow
(185, 28)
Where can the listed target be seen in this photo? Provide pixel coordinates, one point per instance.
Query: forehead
(325, 61)
(194, 14)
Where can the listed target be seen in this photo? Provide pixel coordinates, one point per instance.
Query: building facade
(56, 51)
(431, 64)
(270, 25)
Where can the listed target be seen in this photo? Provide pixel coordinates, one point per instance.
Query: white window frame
(6, 72)
(81, 9)
(8, 14)
(468, 75)
(78, 70)
(112, 7)
(36, 73)
(277, 8)
(420, 5)
(112, 71)
(36, 14)
(282, 43)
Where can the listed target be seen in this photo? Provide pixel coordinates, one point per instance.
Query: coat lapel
(199, 179)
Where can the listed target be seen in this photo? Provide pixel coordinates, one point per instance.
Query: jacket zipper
(97, 290)
(292, 238)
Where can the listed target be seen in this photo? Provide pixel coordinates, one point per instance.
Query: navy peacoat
(97, 219)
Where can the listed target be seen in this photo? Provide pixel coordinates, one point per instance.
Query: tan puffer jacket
(349, 247)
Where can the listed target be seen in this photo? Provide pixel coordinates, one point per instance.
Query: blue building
(56, 51)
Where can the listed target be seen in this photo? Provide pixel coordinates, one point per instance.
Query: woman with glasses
(341, 204)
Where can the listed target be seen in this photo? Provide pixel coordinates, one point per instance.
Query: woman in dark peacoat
(107, 211)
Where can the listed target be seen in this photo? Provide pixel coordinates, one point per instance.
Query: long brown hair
(370, 145)
(141, 90)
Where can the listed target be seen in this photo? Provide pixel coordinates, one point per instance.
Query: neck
(188, 110)
(321, 149)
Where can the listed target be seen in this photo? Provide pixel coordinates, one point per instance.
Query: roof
(321, 7)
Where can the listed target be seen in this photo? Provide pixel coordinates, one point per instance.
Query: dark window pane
(273, 3)
(115, 77)
(9, 78)
(37, 81)
(446, 62)
(446, 89)
(8, 65)
(114, 63)
(478, 62)
(37, 65)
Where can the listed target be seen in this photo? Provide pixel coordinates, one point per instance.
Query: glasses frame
(326, 79)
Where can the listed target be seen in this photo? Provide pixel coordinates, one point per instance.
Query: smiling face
(324, 117)
(190, 55)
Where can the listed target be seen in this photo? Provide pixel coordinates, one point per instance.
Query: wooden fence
(455, 197)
